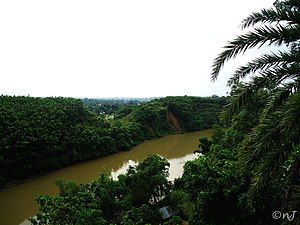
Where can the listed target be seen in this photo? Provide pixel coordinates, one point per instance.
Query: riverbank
(17, 202)
(28, 179)
(40, 135)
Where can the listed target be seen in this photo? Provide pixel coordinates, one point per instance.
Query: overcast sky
(117, 48)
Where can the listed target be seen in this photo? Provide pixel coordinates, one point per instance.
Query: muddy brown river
(17, 203)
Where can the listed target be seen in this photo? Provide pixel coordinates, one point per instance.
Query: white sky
(121, 48)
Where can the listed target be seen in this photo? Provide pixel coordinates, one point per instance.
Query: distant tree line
(108, 106)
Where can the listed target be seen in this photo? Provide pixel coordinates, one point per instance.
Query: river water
(17, 202)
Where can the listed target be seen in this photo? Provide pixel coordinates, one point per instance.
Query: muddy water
(17, 203)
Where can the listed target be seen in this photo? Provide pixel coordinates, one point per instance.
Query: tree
(271, 150)
(148, 181)
(132, 199)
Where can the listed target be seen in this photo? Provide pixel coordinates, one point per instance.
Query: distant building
(166, 212)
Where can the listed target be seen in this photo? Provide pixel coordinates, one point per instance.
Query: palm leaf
(265, 62)
(278, 98)
(272, 16)
(278, 131)
(258, 37)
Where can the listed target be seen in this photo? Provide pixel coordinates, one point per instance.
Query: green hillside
(42, 134)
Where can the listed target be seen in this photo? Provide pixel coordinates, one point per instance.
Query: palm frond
(292, 171)
(264, 62)
(267, 170)
(271, 16)
(258, 37)
(267, 80)
(267, 153)
(280, 74)
(237, 102)
(287, 4)
(278, 98)
(251, 151)
(294, 203)
(279, 131)
(291, 115)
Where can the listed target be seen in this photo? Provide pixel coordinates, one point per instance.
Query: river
(17, 202)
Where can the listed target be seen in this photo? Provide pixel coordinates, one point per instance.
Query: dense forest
(249, 173)
(38, 135)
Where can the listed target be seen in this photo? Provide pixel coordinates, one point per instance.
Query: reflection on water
(115, 173)
(17, 203)
(175, 169)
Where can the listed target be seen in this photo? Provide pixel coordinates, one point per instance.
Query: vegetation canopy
(38, 135)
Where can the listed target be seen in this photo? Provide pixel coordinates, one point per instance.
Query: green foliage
(38, 135)
(106, 201)
(41, 134)
(147, 181)
(152, 117)
(204, 145)
(194, 113)
(213, 182)
(110, 106)
(181, 200)
(175, 220)
(74, 205)
(216, 184)
(263, 116)
(140, 216)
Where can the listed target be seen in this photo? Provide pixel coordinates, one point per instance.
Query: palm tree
(271, 150)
